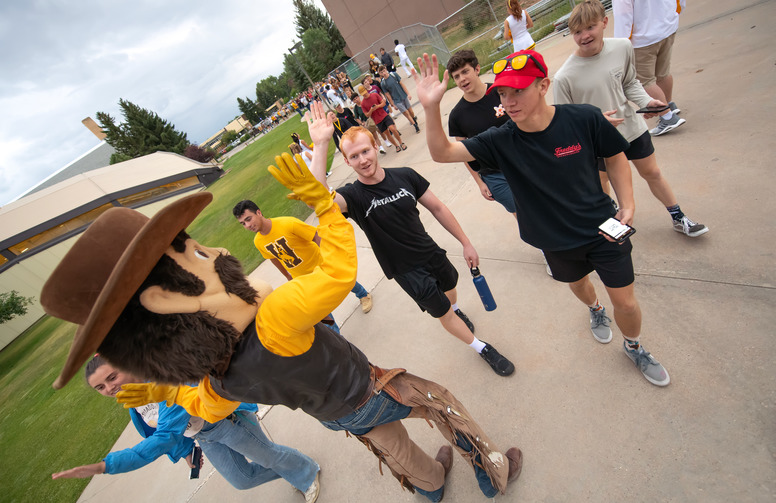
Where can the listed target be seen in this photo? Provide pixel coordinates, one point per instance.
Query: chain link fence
(417, 38)
(478, 25)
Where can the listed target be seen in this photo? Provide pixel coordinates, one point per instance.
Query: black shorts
(385, 124)
(611, 261)
(639, 148)
(427, 284)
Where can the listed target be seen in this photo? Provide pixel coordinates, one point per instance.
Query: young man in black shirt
(383, 202)
(548, 154)
(478, 111)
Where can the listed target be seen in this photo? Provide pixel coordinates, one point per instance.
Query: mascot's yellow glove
(137, 394)
(297, 177)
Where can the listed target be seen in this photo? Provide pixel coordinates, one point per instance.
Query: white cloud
(188, 61)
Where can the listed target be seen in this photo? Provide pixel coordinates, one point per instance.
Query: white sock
(477, 345)
(455, 307)
(668, 115)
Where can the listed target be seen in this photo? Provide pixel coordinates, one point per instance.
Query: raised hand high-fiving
(429, 87)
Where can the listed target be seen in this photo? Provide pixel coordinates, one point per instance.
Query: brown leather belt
(378, 379)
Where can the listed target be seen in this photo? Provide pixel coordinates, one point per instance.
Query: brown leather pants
(434, 403)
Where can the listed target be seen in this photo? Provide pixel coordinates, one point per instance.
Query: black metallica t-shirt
(387, 212)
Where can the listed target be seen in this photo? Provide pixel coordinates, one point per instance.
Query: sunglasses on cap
(517, 63)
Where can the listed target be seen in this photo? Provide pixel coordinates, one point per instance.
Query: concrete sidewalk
(590, 426)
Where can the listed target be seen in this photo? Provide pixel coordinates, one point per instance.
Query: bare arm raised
(430, 92)
(321, 129)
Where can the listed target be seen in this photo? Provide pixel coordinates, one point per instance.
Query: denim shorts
(499, 189)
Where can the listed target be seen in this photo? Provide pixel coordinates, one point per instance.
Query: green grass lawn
(247, 178)
(43, 431)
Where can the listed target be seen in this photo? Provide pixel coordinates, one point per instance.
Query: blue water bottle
(483, 289)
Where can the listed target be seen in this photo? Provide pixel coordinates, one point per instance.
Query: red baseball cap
(518, 70)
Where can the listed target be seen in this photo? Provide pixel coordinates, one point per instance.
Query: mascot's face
(217, 299)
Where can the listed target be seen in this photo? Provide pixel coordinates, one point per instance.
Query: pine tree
(143, 132)
(309, 16)
(249, 109)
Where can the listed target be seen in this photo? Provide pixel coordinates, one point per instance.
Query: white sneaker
(311, 494)
(381, 149)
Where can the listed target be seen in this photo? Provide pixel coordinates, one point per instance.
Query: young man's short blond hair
(350, 136)
(585, 14)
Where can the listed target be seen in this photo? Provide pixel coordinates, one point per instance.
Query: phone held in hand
(196, 460)
(617, 230)
(652, 110)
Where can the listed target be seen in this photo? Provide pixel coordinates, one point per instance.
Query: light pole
(312, 84)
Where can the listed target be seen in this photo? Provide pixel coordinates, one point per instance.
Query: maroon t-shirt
(379, 114)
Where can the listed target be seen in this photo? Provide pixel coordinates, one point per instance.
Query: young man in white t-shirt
(404, 60)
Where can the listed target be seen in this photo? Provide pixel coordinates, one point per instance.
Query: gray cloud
(188, 61)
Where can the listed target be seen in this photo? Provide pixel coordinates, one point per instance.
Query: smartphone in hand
(196, 460)
(652, 110)
(617, 230)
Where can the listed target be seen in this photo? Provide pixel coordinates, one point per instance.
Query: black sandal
(398, 149)
(403, 146)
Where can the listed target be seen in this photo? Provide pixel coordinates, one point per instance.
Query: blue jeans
(359, 291)
(227, 443)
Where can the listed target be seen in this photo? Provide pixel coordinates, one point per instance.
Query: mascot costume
(156, 303)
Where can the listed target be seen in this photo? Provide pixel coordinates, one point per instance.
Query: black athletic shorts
(639, 148)
(611, 261)
(385, 124)
(427, 284)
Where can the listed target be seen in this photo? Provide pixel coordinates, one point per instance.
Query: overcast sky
(186, 60)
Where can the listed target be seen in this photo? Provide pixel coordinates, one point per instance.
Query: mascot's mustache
(231, 274)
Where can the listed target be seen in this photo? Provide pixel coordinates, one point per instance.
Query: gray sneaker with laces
(675, 109)
(649, 367)
(599, 325)
(664, 126)
(689, 228)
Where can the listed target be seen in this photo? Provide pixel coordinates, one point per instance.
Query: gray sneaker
(651, 368)
(689, 228)
(675, 109)
(664, 126)
(599, 326)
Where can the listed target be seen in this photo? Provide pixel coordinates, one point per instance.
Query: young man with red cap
(548, 155)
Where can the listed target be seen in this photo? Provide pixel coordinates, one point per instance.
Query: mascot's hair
(177, 348)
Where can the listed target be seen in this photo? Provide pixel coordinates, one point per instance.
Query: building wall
(361, 22)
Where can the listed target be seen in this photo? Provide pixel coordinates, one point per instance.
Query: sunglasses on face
(517, 63)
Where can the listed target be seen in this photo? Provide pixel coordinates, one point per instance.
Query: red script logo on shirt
(566, 151)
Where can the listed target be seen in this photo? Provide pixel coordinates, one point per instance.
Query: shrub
(199, 154)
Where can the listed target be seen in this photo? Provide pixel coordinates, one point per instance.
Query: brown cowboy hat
(105, 267)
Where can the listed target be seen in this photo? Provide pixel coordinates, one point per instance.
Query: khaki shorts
(653, 62)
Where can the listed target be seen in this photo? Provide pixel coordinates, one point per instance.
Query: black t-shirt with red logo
(553, 174)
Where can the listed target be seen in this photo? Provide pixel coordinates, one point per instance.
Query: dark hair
(381, 68)
(244, 205)
(395, 42)
(92, 365)
(460, 59)
(295, 137)
(181, 347)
